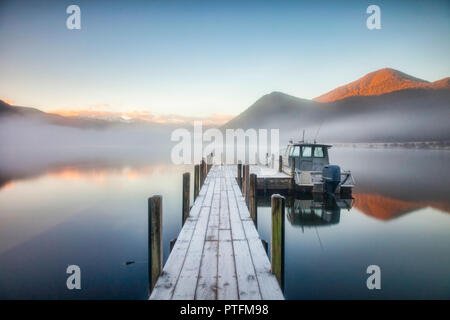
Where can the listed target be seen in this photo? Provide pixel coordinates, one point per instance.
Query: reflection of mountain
(94, 169)
(384, 106)
(385, 208)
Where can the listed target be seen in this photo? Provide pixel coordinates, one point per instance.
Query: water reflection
(93, 212)
(316, 212)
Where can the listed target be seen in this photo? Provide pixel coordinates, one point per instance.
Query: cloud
(98, 106)
(142, 115)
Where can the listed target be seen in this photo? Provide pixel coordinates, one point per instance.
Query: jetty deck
(218, 253)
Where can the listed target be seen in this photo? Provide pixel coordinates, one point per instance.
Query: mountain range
(380, 82)
(383, 106)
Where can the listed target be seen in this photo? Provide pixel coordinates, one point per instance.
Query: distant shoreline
(433, 145)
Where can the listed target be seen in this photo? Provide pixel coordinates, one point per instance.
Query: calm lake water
(94, 214)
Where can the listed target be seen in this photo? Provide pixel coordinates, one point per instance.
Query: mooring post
(277, 248)
(239, 174)
(200, 178)
(196, 181)
(247, 184)
(205, 171)
(172, 243)
(244, 170)
(252, 199)
(186, 195)
(292, 174)
(154, 239)
(210, 162)
(280, 163)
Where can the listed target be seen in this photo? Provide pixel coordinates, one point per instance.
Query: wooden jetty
(218, 253)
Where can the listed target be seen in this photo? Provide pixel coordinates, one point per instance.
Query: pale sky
(208, 58)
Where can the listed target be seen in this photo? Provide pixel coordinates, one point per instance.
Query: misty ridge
(383, 106)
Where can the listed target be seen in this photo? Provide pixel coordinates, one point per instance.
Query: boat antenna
(318, 130)
(303, 138)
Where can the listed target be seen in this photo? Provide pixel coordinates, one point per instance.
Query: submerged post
(186, 195)
(239, 174)
(252, 199)
(277, 248)
(154, 239)
(280, 163)
(196, 181)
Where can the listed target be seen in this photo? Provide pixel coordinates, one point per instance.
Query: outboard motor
(331, 175)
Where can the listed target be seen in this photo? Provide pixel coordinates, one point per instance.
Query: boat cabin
(308, 156)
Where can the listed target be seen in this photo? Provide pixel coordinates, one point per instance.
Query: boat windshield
(306, 152)
(295, 151)
(318, 152)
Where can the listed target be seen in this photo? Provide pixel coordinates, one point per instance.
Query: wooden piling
(204, 171)
(292, 167)
(292, 187)
(196, 181)
(252, 199)
(210, 162)
(277, 247)
(186, 195)
(239, 174)
(247, 182)
(172, 243)
(154, 239)
(244, 182)
(280, 163)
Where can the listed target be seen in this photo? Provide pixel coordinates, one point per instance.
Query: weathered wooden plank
(246, 277)
(224, 213)
(165, 285)
(209, 194)
(268, 284)
(187, 281)
(227, 282)
(218, 254)
(212, 232)
(204, 199)
(207, 281)
(237, 231)
(250, 230)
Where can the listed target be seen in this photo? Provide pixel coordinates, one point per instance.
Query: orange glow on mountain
(380, 82)
(8, 101)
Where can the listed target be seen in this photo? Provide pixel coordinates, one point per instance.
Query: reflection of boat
(323, 211)
(313, 172)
